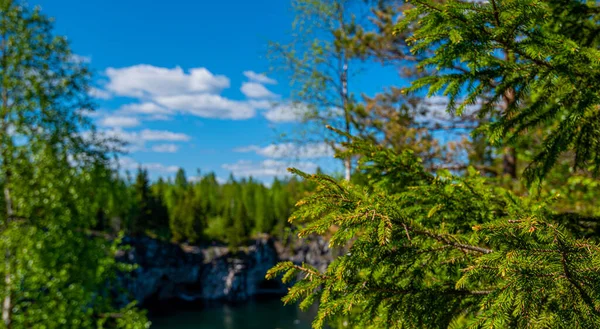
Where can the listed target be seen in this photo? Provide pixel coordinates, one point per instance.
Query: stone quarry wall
(167, 271)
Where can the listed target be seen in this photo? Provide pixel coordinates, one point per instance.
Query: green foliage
(433, 249)
(199, 211)
(149, 212)
(526, 52)
(425, 248)
(322, 60)
(55, 272)
(442, 251)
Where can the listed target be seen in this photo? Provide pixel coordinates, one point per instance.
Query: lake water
(256, 314)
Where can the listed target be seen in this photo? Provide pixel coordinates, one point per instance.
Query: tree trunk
(509, 162)
(345, 101)
(348, 168)
(509, 158)
(7, 302)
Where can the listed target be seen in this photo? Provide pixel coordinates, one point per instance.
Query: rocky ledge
(168, 272)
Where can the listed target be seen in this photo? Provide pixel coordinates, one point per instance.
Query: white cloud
(261, 104)
(159, 167)
(119, 121)
(290, 150)
(208, 106)
(201, 105)
(146, 111)
(90, 113)
(136, 140)
(80, 59)
(127, 163)
(286, 113)
(163, 92)
(436, 109)
(144, 108)
(260, 78)
(149, 81)
(147, 135)
(266, 168)
(165, 148)
(256, 90)
(246, 149)
(163, 135)
(132, 140)
(99, 93)
(158, 117)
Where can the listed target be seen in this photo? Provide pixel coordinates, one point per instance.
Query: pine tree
(179, 216)
(238, 232)
(181, 180)
(445, 251)
(119, 204)
(280, 207)
(441, 251)
(207, 191)
(141, 219)
(249, 190)
(264, 212)
(545, 74)
(159, 217)
(397, 119)
(149, 211)
(187, 219)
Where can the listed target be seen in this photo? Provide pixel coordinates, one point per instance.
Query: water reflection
(227, 318)
(258, 314)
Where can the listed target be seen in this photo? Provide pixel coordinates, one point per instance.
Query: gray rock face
(164, 270)
(167, 271)
(240, 276)
(314, 251)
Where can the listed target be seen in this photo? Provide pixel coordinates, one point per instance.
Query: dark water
(257, 314)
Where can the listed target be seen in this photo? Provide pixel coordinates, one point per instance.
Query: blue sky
(182, 82)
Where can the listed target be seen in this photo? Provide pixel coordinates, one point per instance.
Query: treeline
(200, 210)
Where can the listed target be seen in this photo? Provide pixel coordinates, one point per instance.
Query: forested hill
(199, 210)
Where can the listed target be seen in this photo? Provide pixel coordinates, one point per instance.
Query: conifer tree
(208, 190)
(546, 73)
(180, 179)
(238, 232)
(143, 203)
(446, 251)
(264, 212)
(397, 119)
(119, 203)
(194, 211)
(159, 221)
(280, 206)
(441, 251)
(249, 190)
(149, 213)
(187, 220)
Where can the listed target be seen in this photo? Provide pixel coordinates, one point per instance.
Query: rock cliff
(167, 271)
